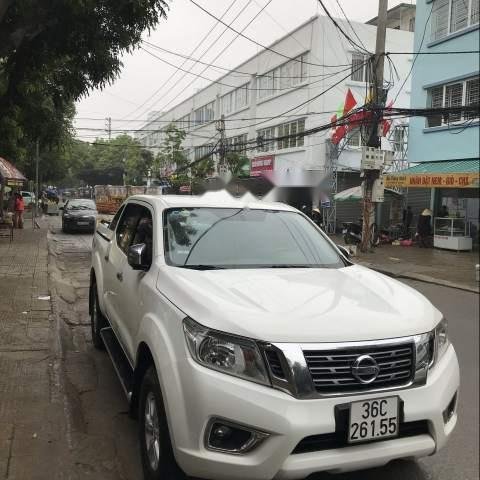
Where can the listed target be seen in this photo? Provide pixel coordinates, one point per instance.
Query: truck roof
(212, 199)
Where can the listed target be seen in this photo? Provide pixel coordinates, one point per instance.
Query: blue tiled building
(444, 80)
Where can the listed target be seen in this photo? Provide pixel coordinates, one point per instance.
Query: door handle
(120, 276)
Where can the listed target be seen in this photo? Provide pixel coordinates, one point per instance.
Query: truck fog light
(450, 410)
(227, 437)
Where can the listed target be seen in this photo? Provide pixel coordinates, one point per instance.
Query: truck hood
(299, 305)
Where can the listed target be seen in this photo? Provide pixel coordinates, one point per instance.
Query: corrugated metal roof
(445, 166)
(9, 172)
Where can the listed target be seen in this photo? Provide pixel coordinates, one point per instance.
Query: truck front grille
(332, 373)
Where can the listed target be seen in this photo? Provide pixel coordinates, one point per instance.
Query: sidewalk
(431, 265)
(32, 416)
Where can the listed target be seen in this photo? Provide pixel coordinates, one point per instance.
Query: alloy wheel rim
(152, 431)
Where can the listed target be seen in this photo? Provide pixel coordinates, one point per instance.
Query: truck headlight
(440, 340)
(225, 353)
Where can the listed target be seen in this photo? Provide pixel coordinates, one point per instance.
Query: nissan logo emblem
(365, 369)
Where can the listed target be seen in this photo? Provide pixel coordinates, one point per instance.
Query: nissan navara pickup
(250, 347)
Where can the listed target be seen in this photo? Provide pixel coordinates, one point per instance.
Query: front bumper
(206, 394)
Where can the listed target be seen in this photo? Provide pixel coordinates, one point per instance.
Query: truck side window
(127, 226)
(144, 232)
(113, 223)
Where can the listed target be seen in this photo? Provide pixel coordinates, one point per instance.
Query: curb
(423, 278)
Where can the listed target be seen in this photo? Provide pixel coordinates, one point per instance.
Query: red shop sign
(261, 165)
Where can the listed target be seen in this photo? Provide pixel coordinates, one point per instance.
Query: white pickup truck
(251, 348)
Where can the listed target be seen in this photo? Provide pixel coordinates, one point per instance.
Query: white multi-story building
(296, 84)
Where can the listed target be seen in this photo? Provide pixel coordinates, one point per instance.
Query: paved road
(98, 408)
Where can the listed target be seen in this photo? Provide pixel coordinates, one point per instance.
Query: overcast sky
(141, 86)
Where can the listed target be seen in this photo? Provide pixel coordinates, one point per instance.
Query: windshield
(208, 238)
(81, 205)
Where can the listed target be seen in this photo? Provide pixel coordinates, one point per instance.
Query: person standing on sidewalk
(424, 228)
(19, 209)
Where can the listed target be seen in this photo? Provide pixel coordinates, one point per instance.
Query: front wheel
(156, 449)
(97, 320)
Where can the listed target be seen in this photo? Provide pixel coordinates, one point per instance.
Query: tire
(156, 450)
(97, 320)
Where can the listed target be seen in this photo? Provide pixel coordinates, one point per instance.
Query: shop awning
(441, 174)
(9, 174)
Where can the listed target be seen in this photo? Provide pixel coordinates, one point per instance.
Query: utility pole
(374, 140)
(220, 126)
(108, 127)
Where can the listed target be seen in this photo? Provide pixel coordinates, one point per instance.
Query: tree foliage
(103, 162)
(236, 163)
(52, 52)
(172, 154)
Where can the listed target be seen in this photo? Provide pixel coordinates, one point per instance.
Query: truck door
(132, 287)
(115, 296)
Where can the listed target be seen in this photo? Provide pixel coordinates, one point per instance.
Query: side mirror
(344, 251)
(137, 257)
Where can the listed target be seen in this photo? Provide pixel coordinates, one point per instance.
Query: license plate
(82, 223)
(373, 420)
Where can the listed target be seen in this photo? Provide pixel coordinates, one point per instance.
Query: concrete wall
(441, 143)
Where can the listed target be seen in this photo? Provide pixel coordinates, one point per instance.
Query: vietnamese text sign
(433, 180)
(260, 165)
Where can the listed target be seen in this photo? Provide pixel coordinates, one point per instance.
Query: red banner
(261, 165)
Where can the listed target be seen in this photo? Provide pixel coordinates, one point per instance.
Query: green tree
(138, 166)
(52, 52)
(203, 168)
(172, 154)
(236, 163)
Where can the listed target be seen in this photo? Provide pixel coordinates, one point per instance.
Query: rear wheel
(97, 320)
(156, 449)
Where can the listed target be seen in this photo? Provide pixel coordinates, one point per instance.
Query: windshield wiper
(203, 267)
(287, 266)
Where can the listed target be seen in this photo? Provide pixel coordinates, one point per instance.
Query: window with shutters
(472, 96)
(475, 12)
(455, 94)
(453, 98)
(290, 133)
(234, 100)
(237, 143)
(361, 68)
(203, 152)
(284, 77)
(204, 114)
(265, 140)
(287, 135)
(450, 16)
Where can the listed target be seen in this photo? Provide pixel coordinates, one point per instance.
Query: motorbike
(352, 234)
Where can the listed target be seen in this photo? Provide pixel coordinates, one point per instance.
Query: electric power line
(230, 70)
(193, 51)
(258, 43)
(339, 28)
(203, 54)
(236, 86)
(351, 26)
